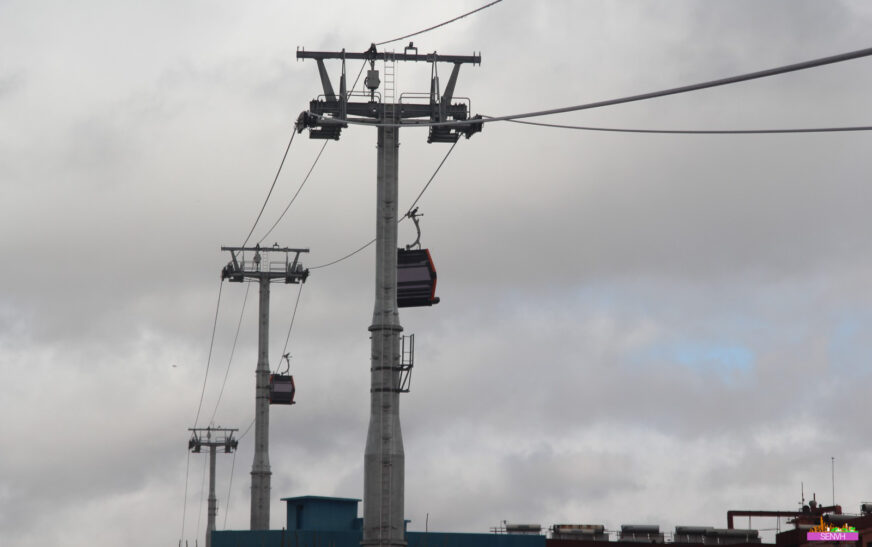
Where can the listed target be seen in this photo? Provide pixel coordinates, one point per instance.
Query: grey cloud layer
(624, 317)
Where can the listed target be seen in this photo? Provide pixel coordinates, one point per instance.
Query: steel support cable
(362, 66)
(265, 201)
(349, 255)
(433, 176)
(202, 489)
(297, 193)
(232, 351)
(200, 405)
(232, 469)
(185, 506)
(421, 193)
(306, 178)
(698, 131)
(233, 465)
(293, 316)
(629, 99)
(209, 358)
(247, 429)
(428, 29)
(229, 489)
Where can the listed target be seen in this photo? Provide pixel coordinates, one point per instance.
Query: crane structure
(264, 268)
(213, 438)
(384, 458)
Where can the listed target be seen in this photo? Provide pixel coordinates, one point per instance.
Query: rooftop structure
(316, 521)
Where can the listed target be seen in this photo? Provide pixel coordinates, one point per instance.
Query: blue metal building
(318, 521)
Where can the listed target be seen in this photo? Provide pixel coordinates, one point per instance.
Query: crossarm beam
(458, 111)
(423, 57)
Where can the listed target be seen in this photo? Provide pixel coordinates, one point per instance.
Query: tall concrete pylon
(384, 458)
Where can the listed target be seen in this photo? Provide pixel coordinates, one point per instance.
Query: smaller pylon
(212, 437)
(265, 268)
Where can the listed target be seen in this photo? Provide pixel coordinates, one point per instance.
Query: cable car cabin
(416, 278)
(281, 389)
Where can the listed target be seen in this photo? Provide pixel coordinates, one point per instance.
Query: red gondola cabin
(416, 278)
(281, 389)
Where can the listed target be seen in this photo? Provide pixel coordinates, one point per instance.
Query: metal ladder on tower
(387, 502)
(390, 92)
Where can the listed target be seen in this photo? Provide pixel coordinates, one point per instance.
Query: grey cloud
(572, 265)
(12, 81)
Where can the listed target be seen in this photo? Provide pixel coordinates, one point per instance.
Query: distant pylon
(264, 269)
(213, 437)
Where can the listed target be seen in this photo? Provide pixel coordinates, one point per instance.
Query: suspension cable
(297, 193)
(185, 506)
(247, 429)
(439, 25)
(232, 469)
(338, 260)
(232, 351)
(698, 131)
(202, 489)
(266, 200)
(628, 99)
(362, 66)
(229, 489)
(421, 193)
(209, 358)
(433, 176)
(293, 316)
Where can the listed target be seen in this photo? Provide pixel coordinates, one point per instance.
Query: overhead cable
(185, 506)
(265, 201)
(293, 316)
(629, 99)
(232, 469)
(247, 429)
(232, 351)
(229, 489)
(433, 176)
(200, 405)
(349, 255)
(297, 193)
(209, 358)
(362, 66)
(699, 131)
(202, 491)
(421, 193)
(439, 25)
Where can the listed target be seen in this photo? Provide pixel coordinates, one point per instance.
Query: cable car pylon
(264, 268)
(213, 438)
(384, 458)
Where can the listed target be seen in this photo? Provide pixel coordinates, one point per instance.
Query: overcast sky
(633, 328)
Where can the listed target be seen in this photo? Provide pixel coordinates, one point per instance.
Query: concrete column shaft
(213, 501)
(384, 460)
(260, 469)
